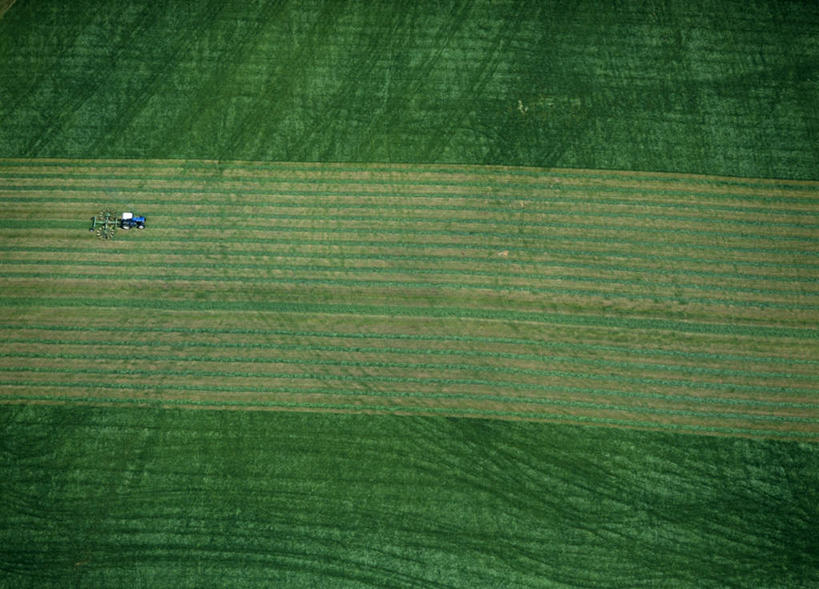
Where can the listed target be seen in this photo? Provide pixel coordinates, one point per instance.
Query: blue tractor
(130, 220)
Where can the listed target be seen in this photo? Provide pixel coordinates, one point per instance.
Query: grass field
(703, 87)
(563, 295)
(489, 360)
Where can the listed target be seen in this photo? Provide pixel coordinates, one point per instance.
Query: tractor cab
(130, 220)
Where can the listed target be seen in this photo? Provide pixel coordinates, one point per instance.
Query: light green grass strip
(542, 358)
(500, 183)
(438, 311)
(410, 337)
(289, 265)
(429, 259)
(145, 244)
(423, 366)
(510, 193)
(352, 283)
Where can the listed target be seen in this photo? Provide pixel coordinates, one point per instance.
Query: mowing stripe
(540, 358)
(430, 259)
(420, 366)
(414, 168)
(491, 253)
(341, 282)
(405, 247)
(289, 265)
(429, 396)
(407, 337)
(482, 236)
(640, 323)
(350, 204)
(391, 182)
(510, 193)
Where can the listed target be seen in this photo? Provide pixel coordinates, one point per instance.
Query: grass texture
(672, 302)
(704, 87)
(149, 497)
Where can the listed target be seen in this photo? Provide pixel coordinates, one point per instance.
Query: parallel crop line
(501, 183)
(429, 396)
(323, 205)
(494, 209)
(360, 408)
(403, 337)
(492, 261)
(539, 358)
(401, 228)
(288, 266)
(422, 233)
(731, 387)
(353, 283)
(631, 322)
(344, 167)
(491, 253)
(514, 196)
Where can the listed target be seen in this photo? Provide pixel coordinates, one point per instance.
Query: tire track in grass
(638, 237)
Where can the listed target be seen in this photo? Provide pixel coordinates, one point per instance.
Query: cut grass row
(443, 295)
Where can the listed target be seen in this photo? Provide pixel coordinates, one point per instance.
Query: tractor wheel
(140, 226)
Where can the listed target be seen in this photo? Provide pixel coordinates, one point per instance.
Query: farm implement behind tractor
(105, 223)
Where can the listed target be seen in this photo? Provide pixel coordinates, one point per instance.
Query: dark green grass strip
(736, 329)
(289, 266)
(421, 366)
(355, 407)
(430, 259)
(573, 404)
(342, 282)
(434, 338)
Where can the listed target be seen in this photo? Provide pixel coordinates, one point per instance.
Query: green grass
(707, 87)
(161, 495)
(166, 497)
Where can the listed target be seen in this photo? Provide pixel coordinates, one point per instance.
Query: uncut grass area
(115, 496)
(612, 299)
(703, 87)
